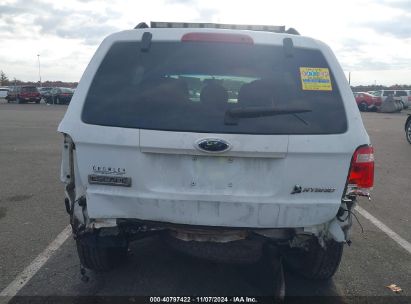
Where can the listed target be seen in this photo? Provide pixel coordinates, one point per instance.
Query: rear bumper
(210, 213)
(32, 99)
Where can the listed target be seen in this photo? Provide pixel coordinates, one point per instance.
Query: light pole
(38, 57)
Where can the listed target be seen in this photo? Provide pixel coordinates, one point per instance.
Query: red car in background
(367, 101)
(22, 94)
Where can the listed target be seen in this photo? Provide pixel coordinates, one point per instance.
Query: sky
(371, 38)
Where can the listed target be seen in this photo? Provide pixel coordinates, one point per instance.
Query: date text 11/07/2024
(203, 300)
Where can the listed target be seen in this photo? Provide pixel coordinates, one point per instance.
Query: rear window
(400, 93)
(193, 86)
(388, 93)
(28, 89)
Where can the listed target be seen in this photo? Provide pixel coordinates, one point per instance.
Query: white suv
(222, 138)
(401, 96)
(405, 97)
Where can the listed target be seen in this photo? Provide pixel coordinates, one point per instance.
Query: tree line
(5, 81)
(366, 88)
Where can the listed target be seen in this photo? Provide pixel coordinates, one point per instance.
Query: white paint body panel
(248, 186)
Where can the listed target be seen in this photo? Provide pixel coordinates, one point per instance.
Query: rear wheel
(363, 107)
(408, 131)
(101, 253)
(316, 263)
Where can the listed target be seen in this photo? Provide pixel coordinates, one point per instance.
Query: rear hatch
(216, 133)
(29, 92)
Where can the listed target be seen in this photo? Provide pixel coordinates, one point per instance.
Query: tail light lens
(362, 168)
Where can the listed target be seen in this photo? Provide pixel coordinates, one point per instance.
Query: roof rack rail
(267, 28)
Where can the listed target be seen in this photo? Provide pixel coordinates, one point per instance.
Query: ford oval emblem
(213, 145)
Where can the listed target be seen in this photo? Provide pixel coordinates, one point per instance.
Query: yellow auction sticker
(315, 79)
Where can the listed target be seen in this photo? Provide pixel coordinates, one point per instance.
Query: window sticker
(315, 79)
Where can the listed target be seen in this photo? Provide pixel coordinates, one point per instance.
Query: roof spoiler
(266, 28)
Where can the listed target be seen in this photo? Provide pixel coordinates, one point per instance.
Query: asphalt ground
(32, 214)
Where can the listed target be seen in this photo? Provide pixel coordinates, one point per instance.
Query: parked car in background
(3, 92)
(22, 94)
(45, 92)
(366, 101)
(403, 96)
(384, 94)
(408, 128)
(60, 96)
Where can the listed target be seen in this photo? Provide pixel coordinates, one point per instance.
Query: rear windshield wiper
(233, 115)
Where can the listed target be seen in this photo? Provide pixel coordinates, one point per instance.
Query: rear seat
(214, 96)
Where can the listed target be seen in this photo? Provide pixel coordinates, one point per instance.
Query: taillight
(217, 37)
(362, 168)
